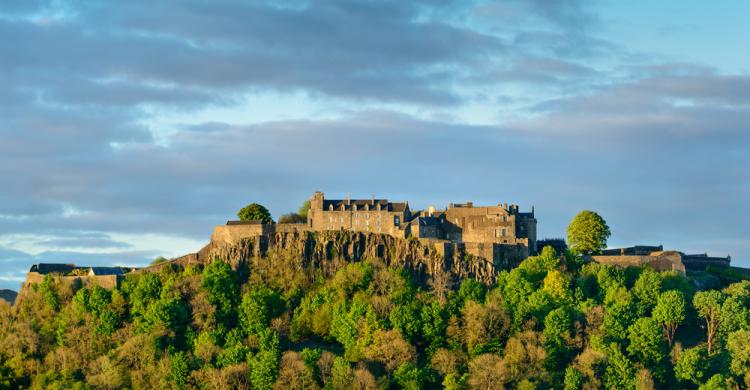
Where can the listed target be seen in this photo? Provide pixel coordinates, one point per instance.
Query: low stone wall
(660, 261)
(106, 281)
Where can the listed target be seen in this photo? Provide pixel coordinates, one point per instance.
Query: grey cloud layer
(660, 154)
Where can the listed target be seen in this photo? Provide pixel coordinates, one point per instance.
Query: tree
(254, 212)
(670, 312)
(708, 306)
(620, 372)
(390, 348)
(557, 285)
(692, 365)
(486, 372)
(294, 374)
(264, 367)
(304, 208)
(588, 233)
(292, 218)
(647, 344)
(647, 288)
(557, 327)
(573, 379)
(179, 369)
(738, 344)
(220, 281)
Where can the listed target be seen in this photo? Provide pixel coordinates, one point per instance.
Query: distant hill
(8, 295)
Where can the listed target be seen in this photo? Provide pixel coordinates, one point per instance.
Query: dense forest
(554, 321)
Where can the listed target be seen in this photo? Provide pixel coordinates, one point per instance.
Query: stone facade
(697, 262)
(660, 260)
(373, 215)
(488, 231)
(107, 277)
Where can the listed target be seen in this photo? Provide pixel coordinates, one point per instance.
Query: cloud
(90, 152)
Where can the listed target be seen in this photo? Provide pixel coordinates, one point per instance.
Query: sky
(128, 130)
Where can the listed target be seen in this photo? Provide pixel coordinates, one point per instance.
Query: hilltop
(277, 306)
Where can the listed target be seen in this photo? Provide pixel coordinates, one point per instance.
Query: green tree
(409, 377)
(254, 212)
(407, 319)
(179, 369)
(304, 208)
(708, 306)
(557, 286)
(557, 326)
(647, 344)
(221, 283)
(574, 379)
(258, 306)
(292, 218)
(434, 323)
(646, 289)
(620, 372)
(738, 344)
(692, 365)
(264, 366)
(49, 293)
(588, 233)
(716, 382)
(670, 312)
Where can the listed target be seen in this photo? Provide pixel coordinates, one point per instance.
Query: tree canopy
(588, 233)
(281, 323)
(254, 212)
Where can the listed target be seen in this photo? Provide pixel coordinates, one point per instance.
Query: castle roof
(46, 268)
(107, 271)
(348, 204)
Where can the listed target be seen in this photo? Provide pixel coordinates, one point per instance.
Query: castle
(493, 225)
(471, 241)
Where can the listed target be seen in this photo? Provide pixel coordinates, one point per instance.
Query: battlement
(107, 277)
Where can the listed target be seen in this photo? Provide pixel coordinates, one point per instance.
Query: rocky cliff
(328, 251)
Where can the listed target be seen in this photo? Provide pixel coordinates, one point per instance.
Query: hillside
(327, 312)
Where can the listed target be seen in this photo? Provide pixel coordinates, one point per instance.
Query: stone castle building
(497, 233)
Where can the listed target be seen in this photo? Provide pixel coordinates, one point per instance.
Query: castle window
(497, 233)
(396, 220)
(330, 219)
(505, 219)
(367, 216)
(503, 232)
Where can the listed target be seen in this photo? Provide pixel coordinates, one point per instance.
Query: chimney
(349, 199)
(373, 199)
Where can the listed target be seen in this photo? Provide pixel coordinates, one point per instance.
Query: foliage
(368, 325)
(254, 212)
(588, 233)
(670, 312)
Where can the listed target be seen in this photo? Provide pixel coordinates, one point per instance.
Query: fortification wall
(660, 261)
(106, 281)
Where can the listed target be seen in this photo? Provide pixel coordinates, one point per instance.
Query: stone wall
(106, 281)
(660, 261)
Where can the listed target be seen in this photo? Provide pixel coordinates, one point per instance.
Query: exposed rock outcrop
(328, 251)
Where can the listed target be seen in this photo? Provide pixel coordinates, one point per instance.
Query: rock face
(328, 251)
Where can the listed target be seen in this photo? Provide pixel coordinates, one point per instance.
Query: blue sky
(130, 129)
